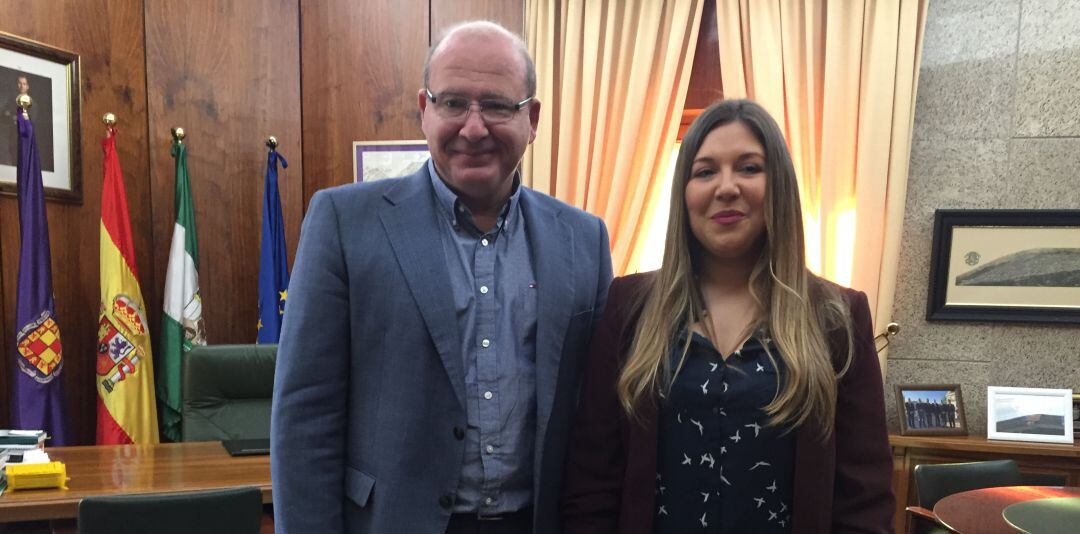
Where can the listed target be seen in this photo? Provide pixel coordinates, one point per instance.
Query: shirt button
(485, 343)
(489, 449)
(489, 501)
(483, 290)
(488, 395)
(484, 242)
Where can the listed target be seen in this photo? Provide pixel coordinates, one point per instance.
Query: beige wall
(997, 125)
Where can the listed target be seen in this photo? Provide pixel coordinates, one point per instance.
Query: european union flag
(273, 261)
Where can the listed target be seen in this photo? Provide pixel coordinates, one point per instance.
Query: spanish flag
(125, 369)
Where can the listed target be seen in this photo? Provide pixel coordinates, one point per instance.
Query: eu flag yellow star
(282, 295)
(260, 324)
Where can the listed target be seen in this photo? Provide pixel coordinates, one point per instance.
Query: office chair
(936, 481)
(226, 392)
(227, 511)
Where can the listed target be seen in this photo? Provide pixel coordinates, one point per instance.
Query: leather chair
(227, 391)
(936, 481)
(227, 511)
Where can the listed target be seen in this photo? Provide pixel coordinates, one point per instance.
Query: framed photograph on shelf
(1029, 414)
(931, 410)
(1005, 265)
(50, 76)
(1076, 415)
(375, 160)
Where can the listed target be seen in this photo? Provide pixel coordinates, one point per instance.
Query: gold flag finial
(110, 123)
(24, 102)
(271, 142)
(178, 134)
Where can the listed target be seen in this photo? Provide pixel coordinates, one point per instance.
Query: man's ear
(534, 118)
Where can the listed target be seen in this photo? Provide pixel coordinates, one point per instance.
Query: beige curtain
(840, 78)
(612, 78)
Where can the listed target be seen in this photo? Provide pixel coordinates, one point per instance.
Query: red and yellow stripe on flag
(125, 371)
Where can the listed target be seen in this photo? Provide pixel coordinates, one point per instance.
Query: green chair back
(936, 481)
(227, 391)
(227, 511)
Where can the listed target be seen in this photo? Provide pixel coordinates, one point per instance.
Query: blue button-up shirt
(494, 291)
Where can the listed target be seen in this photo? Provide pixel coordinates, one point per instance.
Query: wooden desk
(980, 510)
(122, 469)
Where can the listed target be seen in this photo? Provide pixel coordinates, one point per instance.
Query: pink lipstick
(728, 217)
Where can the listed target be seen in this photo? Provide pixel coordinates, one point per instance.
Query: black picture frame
(956, 427)
(1029, 275)
(53, 74)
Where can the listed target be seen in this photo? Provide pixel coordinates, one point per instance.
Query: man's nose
(474, 127)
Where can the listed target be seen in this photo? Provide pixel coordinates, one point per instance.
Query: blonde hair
(801, 310)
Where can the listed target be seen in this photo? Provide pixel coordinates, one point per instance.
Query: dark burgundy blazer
(841, 485)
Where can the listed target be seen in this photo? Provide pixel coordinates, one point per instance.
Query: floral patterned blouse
(721, 469)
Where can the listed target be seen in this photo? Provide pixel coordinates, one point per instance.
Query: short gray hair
(488, 27)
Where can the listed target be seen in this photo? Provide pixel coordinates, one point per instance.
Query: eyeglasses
(454, 107)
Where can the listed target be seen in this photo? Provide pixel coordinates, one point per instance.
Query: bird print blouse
(721, 469)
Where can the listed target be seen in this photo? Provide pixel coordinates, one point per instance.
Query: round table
(980, 510)
(1061, 514)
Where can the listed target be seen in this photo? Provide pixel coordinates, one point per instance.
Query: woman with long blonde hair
(732, 390)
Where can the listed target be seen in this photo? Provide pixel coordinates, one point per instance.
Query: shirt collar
(455, 212)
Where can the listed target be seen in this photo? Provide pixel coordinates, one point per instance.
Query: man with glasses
(438, 323)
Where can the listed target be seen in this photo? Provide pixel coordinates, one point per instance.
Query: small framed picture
(931, 410)
(1029, 414)
(375, 160)
(1076, 415)
(50, 76)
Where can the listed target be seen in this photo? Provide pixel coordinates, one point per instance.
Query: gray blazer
(369, 388)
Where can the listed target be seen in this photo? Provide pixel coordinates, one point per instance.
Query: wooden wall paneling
(362, 64)
(705, 87)
(5, 353)
(446, 13)
(228, 73)
(108, 37)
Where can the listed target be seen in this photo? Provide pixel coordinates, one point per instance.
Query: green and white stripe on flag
(182, 324)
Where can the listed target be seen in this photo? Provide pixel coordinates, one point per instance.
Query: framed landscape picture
(375, 160)
(50, 77)
(1029, 414)
(931, 410)
(1005, 265)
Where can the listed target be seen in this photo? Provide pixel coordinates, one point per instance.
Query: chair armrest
(922, 512)
(926, 518)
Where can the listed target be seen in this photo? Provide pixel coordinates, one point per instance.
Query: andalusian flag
(125, 367)
(182, 325)
(273, 271)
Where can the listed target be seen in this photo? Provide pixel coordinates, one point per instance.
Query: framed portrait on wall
(50, 76)
(375, 160)
(1029, 414)
(931, 410)
(1005, 265)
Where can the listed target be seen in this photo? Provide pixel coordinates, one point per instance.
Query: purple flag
(38, 396)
